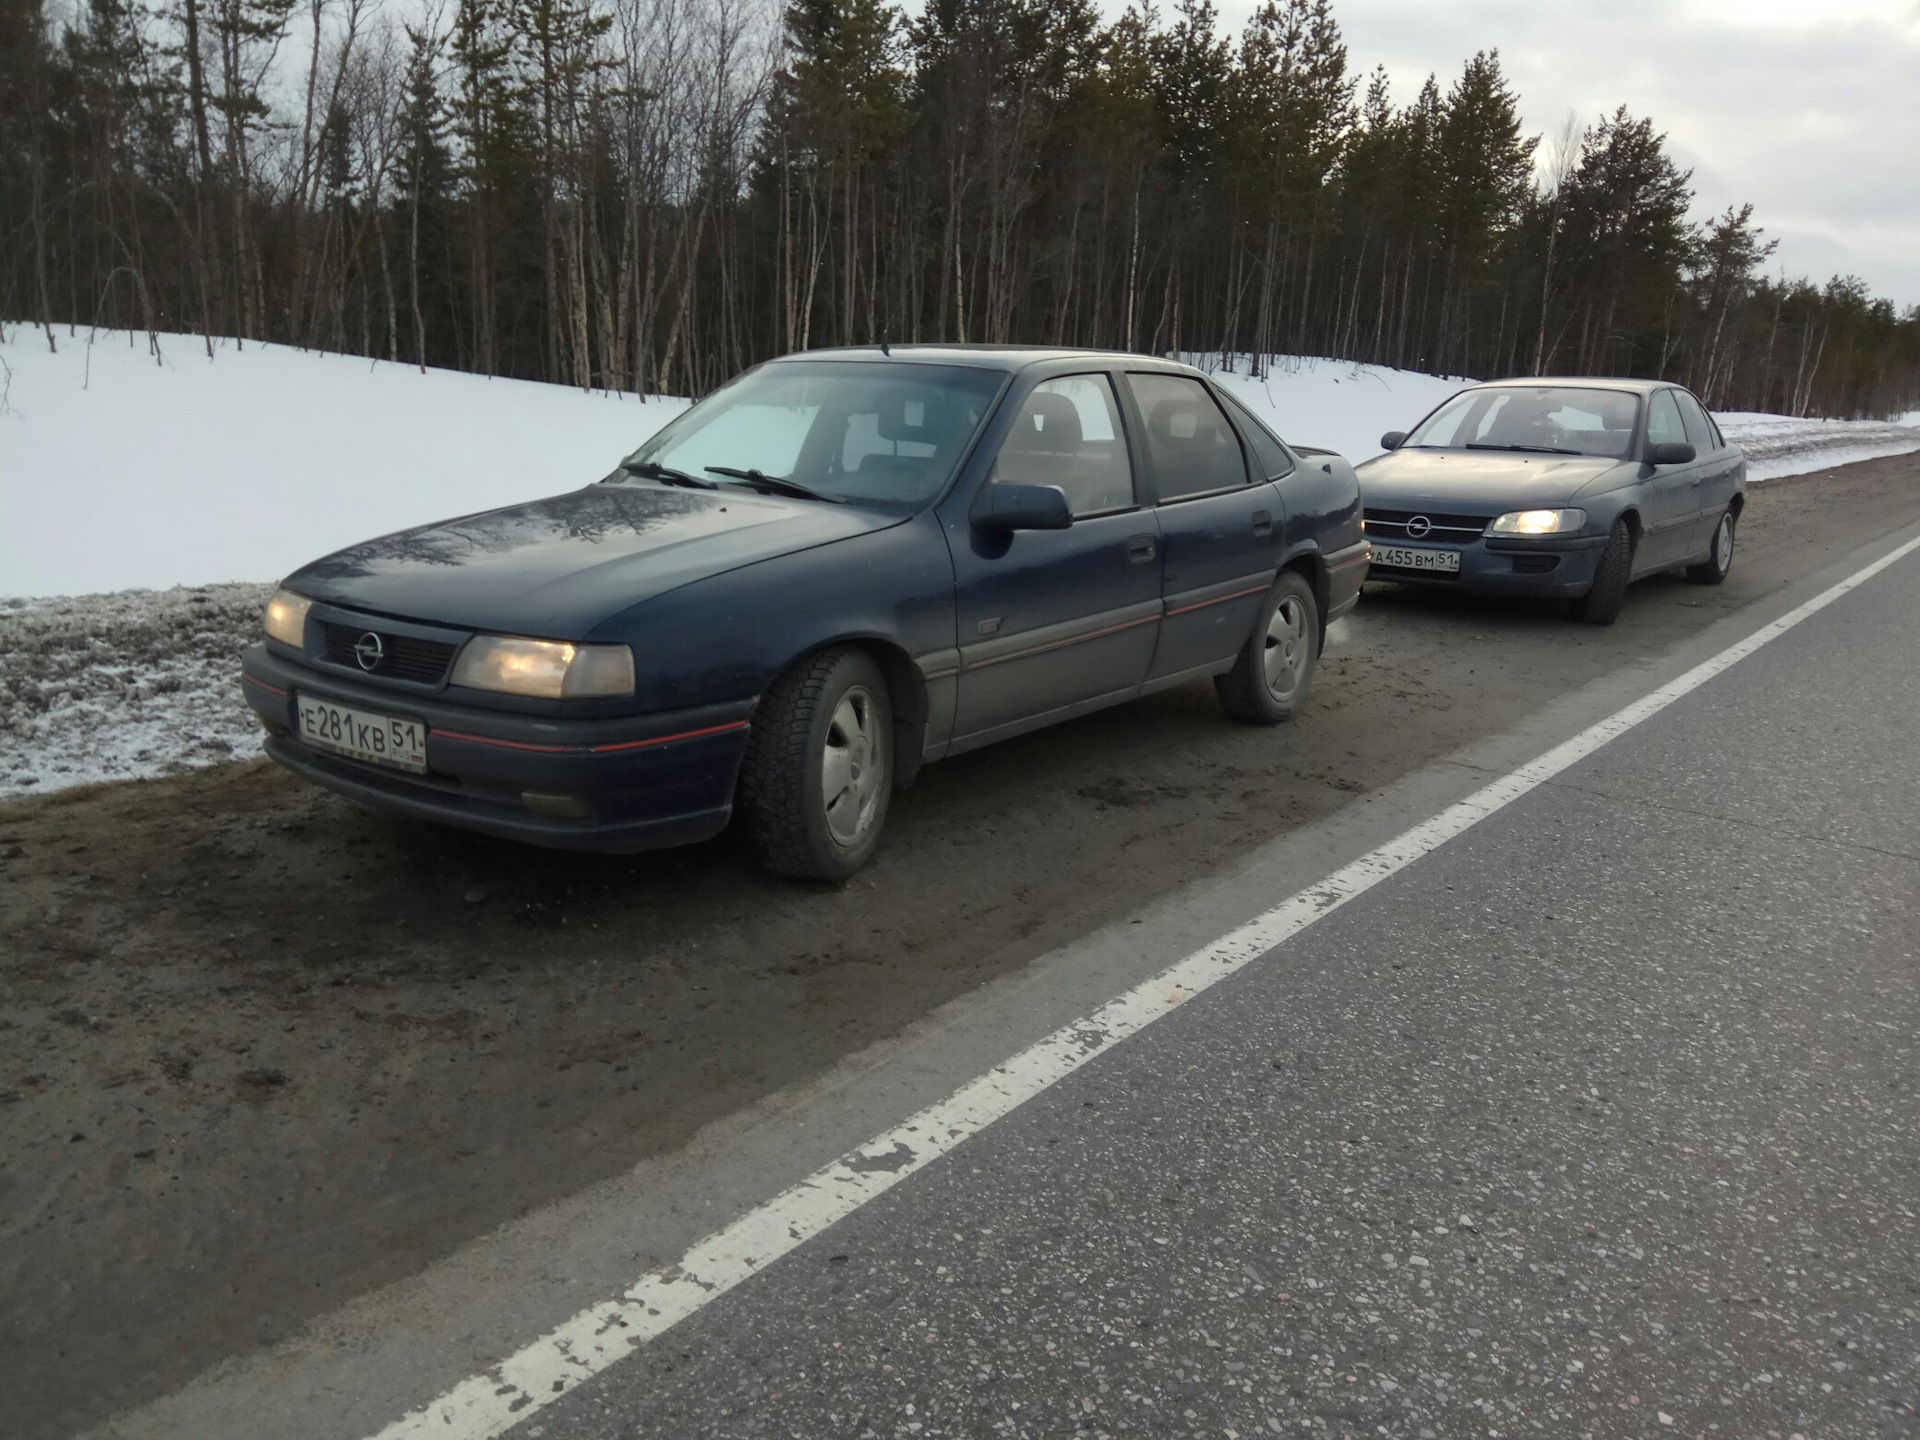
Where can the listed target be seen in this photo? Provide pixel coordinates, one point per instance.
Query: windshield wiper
(666, 475)
(775, 484)
(1530, 449)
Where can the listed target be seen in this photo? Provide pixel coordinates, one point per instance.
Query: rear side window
(1699, 429)
(1068, 434)
(1663, 421)
(1193, 447)
(1270, 457)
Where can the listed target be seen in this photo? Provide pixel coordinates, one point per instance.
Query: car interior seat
(1194, 440)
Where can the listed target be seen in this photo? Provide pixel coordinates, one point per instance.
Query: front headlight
(287, 618)
(545, 669)
(1538, 522)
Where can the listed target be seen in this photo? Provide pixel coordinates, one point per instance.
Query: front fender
(726, 637)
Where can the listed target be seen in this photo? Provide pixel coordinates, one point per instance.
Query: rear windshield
(873, 432)
(1543, 419)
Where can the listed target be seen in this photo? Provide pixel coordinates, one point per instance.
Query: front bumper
(1558, 568)
(645, 781)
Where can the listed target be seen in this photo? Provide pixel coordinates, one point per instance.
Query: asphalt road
(1599, 1120)
(343, 1106)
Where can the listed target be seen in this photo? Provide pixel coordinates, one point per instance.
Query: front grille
(403, 657)
(1393, 524)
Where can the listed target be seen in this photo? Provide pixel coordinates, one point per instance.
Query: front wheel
(818, 773)
(1601, 604)
(1269, 682)
(1719, 561)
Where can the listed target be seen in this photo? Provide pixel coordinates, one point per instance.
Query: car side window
(1699, 432)
(1068, 434)
(1270, 457)
(1663, 421)
(1193, 447)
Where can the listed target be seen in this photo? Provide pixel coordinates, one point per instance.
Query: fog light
(556, 807)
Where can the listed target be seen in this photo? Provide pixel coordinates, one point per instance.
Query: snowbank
(1779, 445)
(117, 471)
(1332, 404)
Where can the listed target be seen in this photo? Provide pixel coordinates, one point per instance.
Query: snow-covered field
(117, 471)
(205, 481)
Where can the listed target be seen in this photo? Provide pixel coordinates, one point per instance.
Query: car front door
(1221, 523)
(1054, 621)
(1670, 495)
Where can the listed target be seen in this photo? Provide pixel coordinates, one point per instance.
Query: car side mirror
(1011, 506)
(1670, 452)
(1393, 439)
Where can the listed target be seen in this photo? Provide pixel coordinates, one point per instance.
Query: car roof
(1582, 382)
(993, 357)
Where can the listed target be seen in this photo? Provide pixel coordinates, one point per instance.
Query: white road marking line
(488, 1404)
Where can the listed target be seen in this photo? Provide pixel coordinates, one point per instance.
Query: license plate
(363, 734)
(1410, 557)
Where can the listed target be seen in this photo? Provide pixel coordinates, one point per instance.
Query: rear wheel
(1601, 604)
(1270, 680)
(1719, 561)
(818, 773)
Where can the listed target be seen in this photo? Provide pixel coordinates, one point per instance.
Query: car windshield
(1542, 419)
(885, 433)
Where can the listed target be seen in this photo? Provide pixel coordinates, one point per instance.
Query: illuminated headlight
(546, 669)
(287, 618)
(1538, 522)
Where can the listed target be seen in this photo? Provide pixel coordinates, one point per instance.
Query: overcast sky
(1808, 108)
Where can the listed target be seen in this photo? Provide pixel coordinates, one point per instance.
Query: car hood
(558, 567)
(1475, 481)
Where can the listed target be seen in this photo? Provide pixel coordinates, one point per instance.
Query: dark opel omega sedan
(838, 567)
(1569, 488)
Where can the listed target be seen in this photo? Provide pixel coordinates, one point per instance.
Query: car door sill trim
(1039, 722)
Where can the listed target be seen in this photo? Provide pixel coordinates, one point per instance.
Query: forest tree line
(649, 195)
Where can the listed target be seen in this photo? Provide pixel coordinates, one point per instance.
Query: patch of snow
(116, 687)
(120, 470)
(1335, 405)
(1780, 445)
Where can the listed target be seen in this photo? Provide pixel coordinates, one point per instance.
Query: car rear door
(1051, 621)
(1718, 468)
(1221, 522)
(1670, 496)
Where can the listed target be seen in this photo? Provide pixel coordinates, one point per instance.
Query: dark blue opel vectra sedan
(836, 568)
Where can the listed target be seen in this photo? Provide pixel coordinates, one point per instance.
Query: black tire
(1601, 604)
(789, 820)
(1719, 561)
(1261, 691)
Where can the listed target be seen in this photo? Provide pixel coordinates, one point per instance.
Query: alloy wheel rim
(1285, 657)
(853, 766)
(1723, 543)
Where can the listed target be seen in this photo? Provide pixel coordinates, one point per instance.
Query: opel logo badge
(369, 650)
(1417, 528)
